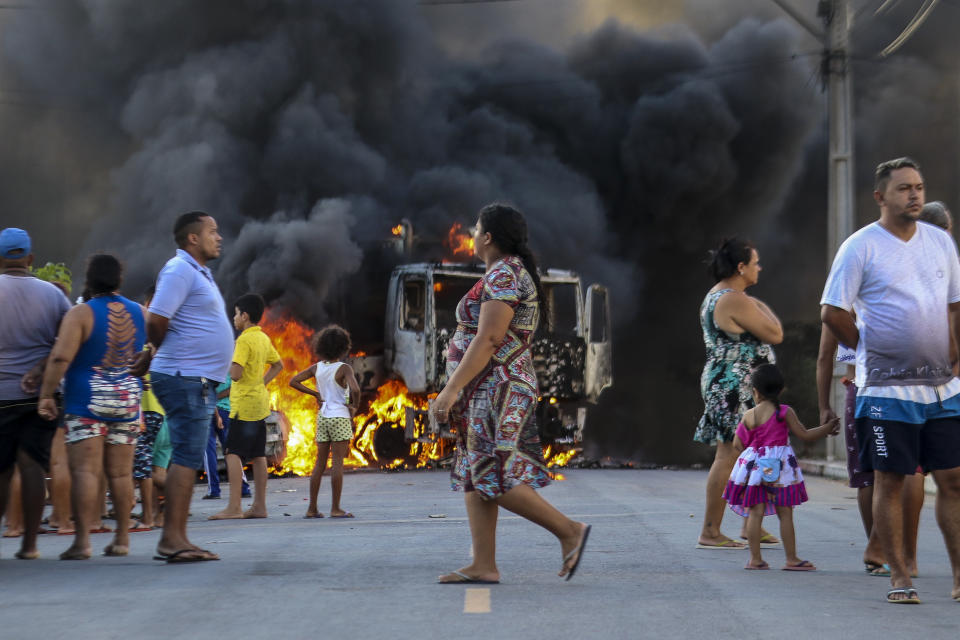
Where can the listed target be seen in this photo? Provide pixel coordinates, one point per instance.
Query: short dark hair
(251, 304)
(331, 342)
(936, 213)
(104, 275)
(884, 169)
(187, 224)
(724, 260)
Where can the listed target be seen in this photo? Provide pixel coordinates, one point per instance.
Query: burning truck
(403, 373)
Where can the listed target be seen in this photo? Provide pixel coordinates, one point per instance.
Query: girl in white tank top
(335, 397)
(334, 423)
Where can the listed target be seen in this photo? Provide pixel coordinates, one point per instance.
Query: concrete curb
(838, 471)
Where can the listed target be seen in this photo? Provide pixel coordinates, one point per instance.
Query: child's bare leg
(259, 508)
(159, 482)
(340, 450)
(235, 476)
(146, 501)
(788, 535)
(104, 512)
(754, 525)
(323, 451)
(60, 516)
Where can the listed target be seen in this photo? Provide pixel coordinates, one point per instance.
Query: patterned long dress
(498, 446)
(725, 382)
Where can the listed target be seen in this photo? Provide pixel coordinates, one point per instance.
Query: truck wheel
(389, 443)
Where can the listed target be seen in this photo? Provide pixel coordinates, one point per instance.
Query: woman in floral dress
(491, 399)
(737, 332)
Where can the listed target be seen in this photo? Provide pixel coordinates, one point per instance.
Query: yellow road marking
(476, 600)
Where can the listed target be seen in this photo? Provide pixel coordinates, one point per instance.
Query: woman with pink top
(766, 478)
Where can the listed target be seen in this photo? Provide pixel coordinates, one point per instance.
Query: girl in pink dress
(766, 478)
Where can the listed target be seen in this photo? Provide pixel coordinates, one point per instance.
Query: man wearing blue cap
(32, 310)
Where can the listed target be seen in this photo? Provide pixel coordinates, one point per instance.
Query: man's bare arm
(841, 323)
(825, 359)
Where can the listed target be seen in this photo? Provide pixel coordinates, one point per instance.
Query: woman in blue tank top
(96, 343)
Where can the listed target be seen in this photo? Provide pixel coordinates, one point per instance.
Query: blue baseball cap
(14, 243)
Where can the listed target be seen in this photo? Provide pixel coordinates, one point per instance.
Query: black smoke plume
(310, 128)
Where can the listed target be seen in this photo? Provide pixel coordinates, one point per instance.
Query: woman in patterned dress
(737, 332)
(491, 399)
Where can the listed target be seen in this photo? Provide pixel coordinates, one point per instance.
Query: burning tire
(389, 443)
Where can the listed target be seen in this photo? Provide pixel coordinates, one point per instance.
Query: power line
(921, 16)
(442, 2)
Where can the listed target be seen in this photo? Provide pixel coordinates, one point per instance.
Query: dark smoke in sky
(308, 129)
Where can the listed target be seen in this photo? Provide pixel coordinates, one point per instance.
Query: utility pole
(840, 195)
(836, 69)
(835, 73)
(836, 76)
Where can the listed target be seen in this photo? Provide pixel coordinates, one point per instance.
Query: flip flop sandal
(726, 544)
(803, 565)
(465, 579)
(759, 567)
(913, 597)
(178, 557)
(767, 542)
(579, 551)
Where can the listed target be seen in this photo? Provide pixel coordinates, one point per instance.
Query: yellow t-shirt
(249, 399)
(148, 401)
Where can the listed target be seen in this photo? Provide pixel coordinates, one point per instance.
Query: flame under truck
(573, 359)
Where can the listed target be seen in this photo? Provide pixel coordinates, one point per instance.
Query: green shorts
(334, 429)
(162, 449)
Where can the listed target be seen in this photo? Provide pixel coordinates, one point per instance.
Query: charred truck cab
(573, 359)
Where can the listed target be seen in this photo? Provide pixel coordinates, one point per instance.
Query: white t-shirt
(900, 292)
(846, 355)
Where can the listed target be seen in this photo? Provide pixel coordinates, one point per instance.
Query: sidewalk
(837, 470)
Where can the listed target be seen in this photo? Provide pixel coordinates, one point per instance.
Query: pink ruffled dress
(746, 486)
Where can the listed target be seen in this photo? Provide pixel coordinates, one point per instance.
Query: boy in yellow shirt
(249, 407)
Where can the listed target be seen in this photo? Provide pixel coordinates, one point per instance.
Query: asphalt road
(373, 576)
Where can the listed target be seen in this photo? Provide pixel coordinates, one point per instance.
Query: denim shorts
(189, 402)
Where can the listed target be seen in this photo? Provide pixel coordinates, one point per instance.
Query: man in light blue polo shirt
(190, 344)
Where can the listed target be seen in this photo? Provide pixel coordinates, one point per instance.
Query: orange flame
(397, 230)
(558, 459)
(292, 341)
(387, 411)
(459, 242)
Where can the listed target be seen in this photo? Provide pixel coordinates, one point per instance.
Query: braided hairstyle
(508, 230)
(768, 381)
(724, 260)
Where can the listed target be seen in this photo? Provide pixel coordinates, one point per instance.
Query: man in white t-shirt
(901, 278)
